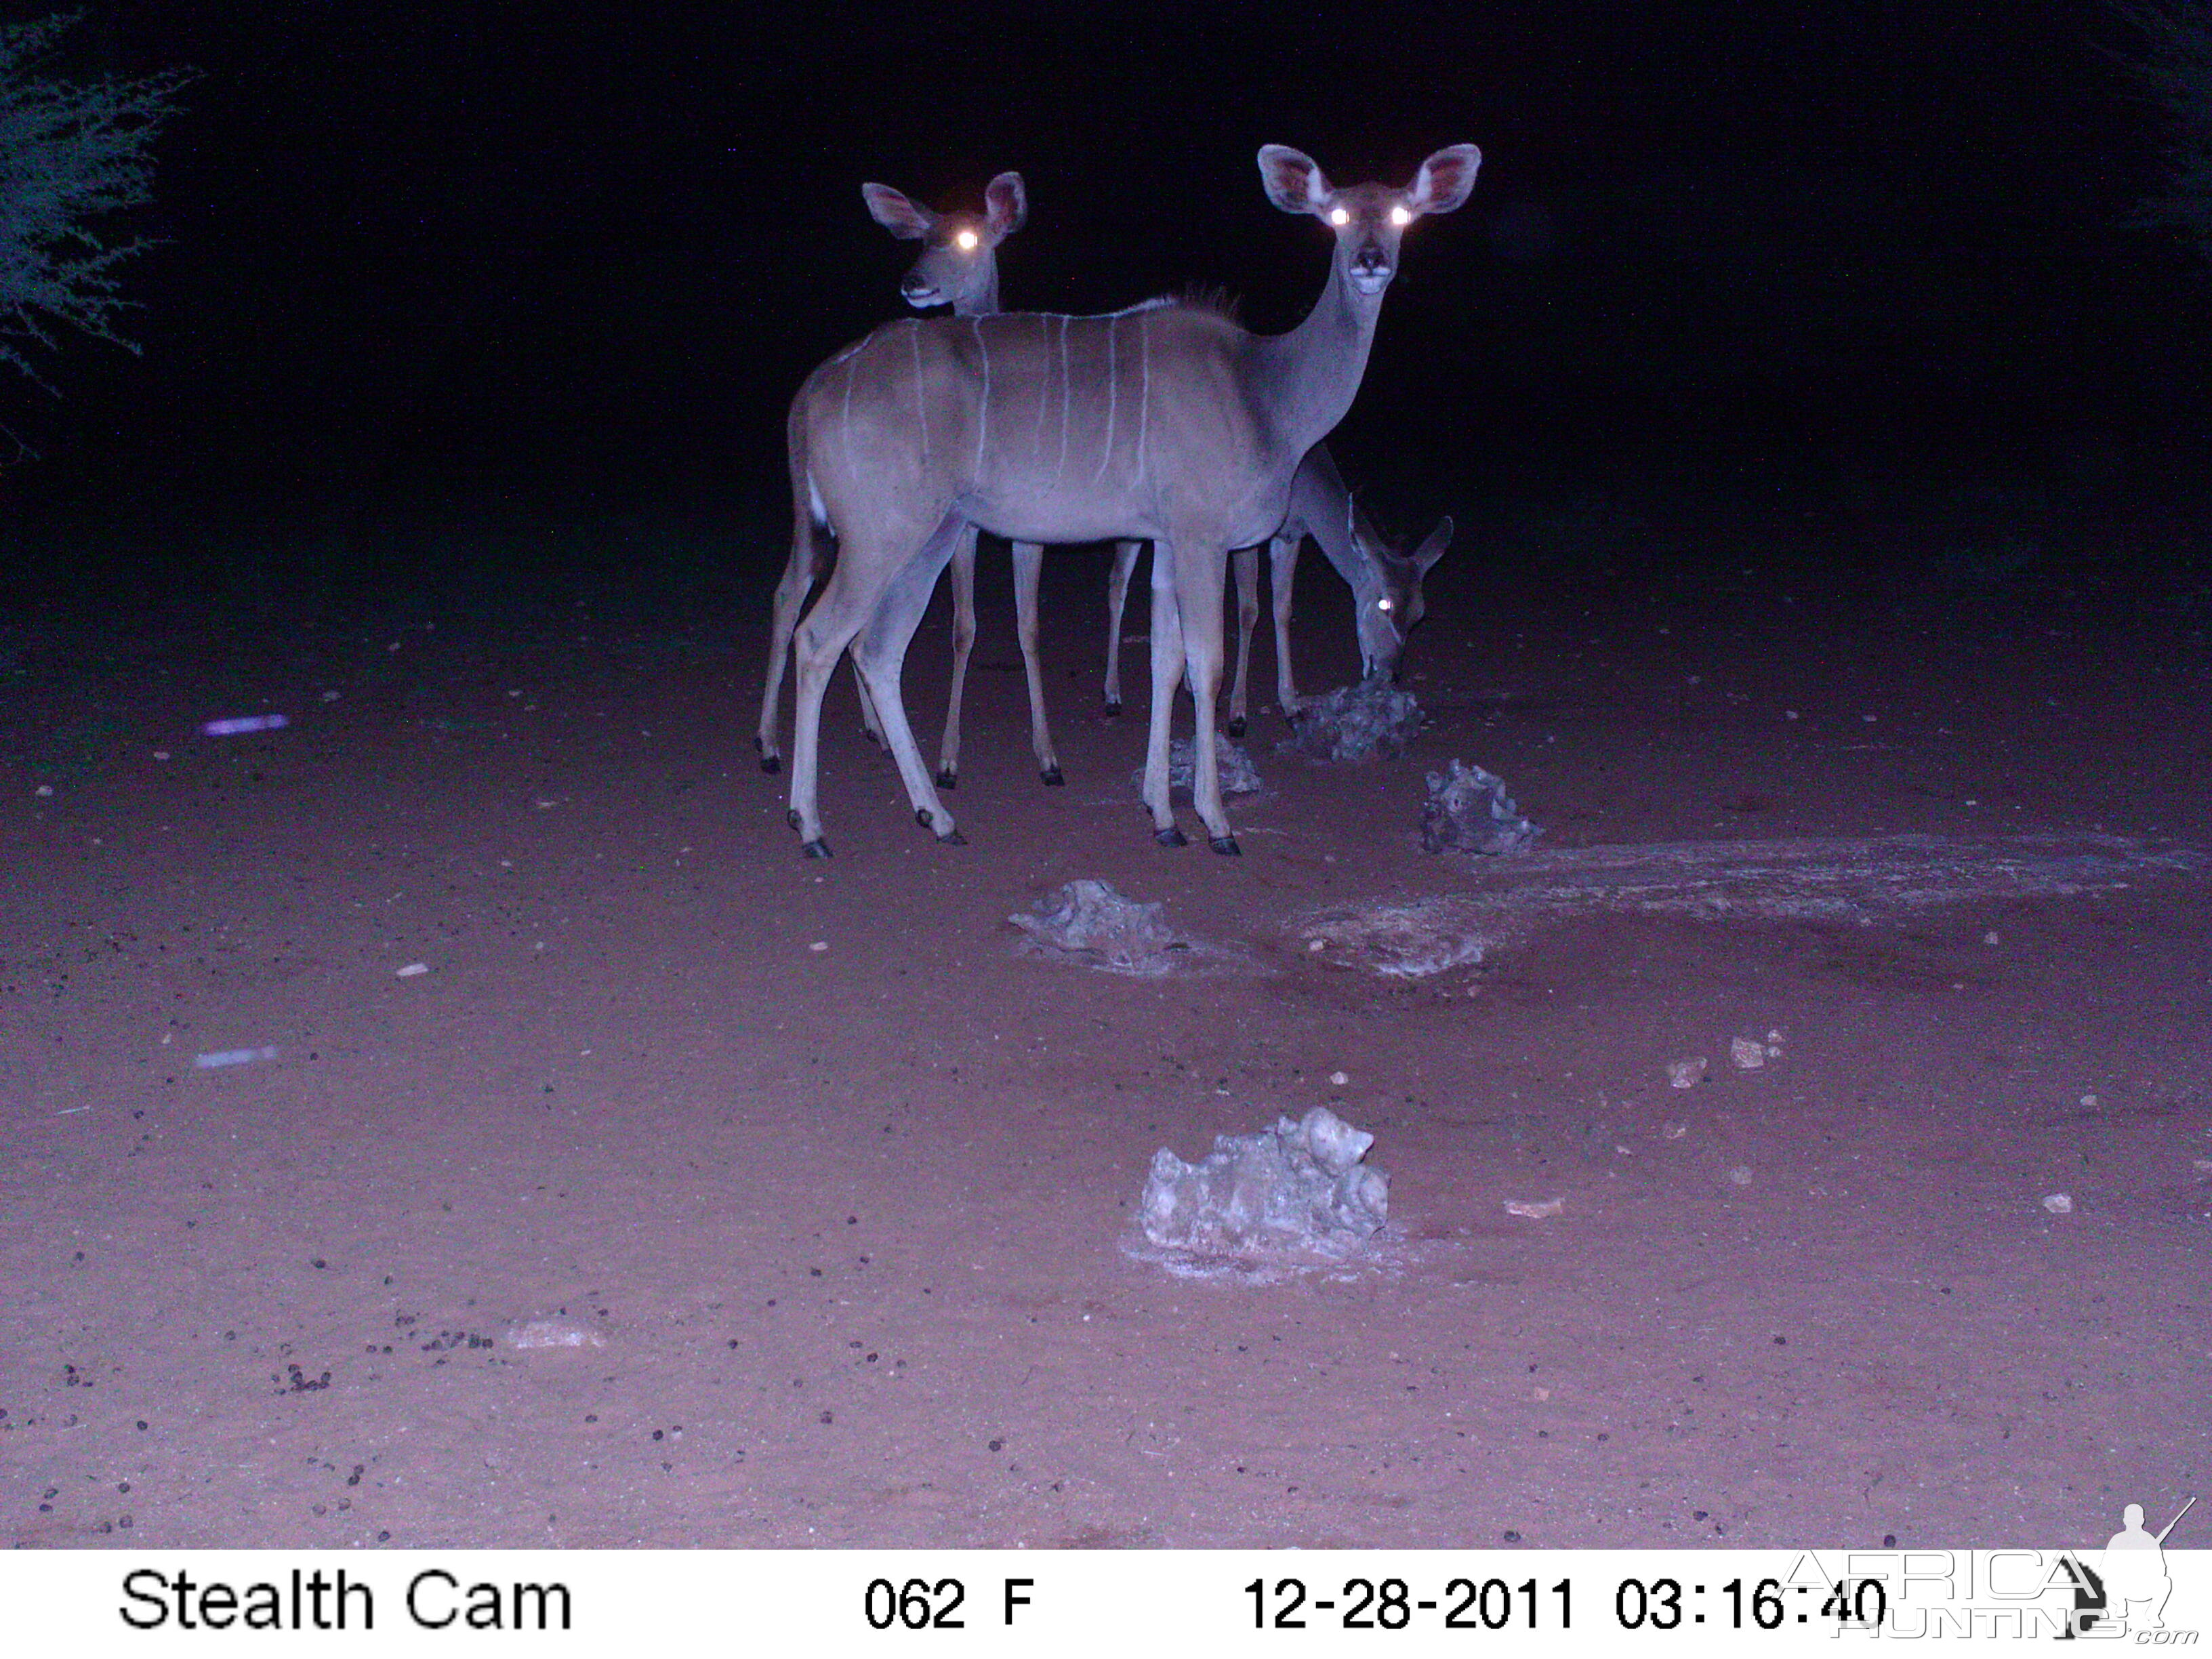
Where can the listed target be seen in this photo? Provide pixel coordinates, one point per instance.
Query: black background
(579, 257)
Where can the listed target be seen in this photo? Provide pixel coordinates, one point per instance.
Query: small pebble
(2059, 1204)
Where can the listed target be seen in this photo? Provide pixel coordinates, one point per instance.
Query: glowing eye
(967, 239)
(1382, 604)
(1339, 216)
(1401, 218)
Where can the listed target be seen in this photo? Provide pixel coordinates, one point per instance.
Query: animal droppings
(1298, 1187)
(1469, 811)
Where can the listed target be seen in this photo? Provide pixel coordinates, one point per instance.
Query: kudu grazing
(1166, 422)
(1387, 597)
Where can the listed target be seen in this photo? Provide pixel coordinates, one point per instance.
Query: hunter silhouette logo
(2135, 1570)
(2127, 1590)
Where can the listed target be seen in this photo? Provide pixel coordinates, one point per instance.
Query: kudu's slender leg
(1117, 596)
(872, 728)
(1198, 585)
(1246, 559)
(879, 654)
(808, 556)
(1167, 674)
(1028, 568)
(963, 643)
(1283, 572)
(849, 604)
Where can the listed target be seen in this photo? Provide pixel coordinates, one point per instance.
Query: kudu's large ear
(906, 220)
(1444, 180)
(1294, 180)
(1009, 205)
(1426, 555)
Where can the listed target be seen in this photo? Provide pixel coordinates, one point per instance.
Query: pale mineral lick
(1354, 721)
(1094, 923)
(1469, 811)
(1299, 1186)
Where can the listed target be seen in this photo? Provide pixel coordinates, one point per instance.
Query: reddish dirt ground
(844, 1226)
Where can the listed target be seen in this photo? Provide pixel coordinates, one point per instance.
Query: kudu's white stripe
(983, 406)
(1061, 465)
(852, 373)
(1036, 442)
(1113, 386)
(920, 402)
(1145, 401)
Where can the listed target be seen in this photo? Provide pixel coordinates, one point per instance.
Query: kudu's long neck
(981, 300)
(1308, 378)
(1324, 504)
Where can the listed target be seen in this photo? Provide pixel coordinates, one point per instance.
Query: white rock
(1299, 1186)
(1535, 1210)
(1686, 1073)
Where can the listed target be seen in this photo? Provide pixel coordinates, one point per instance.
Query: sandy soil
(822, 1190)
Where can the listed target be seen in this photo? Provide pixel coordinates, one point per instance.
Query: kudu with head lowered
(1387, 597)
(1167, 423)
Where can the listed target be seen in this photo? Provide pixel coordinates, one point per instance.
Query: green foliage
(2177, 71)
(71, 154)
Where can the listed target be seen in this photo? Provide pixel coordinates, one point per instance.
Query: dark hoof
(771, 765)
(1237, 727)
(1171, 837)
(955, 839)
(816, 848)
(1113, 707)
(948, 780)
(1226, 846)
(1052, 777)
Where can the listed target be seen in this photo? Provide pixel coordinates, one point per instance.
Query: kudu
(1166, 422)
(1386, 598)
(958, 267)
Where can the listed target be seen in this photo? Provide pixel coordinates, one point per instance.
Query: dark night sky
(470, 241)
